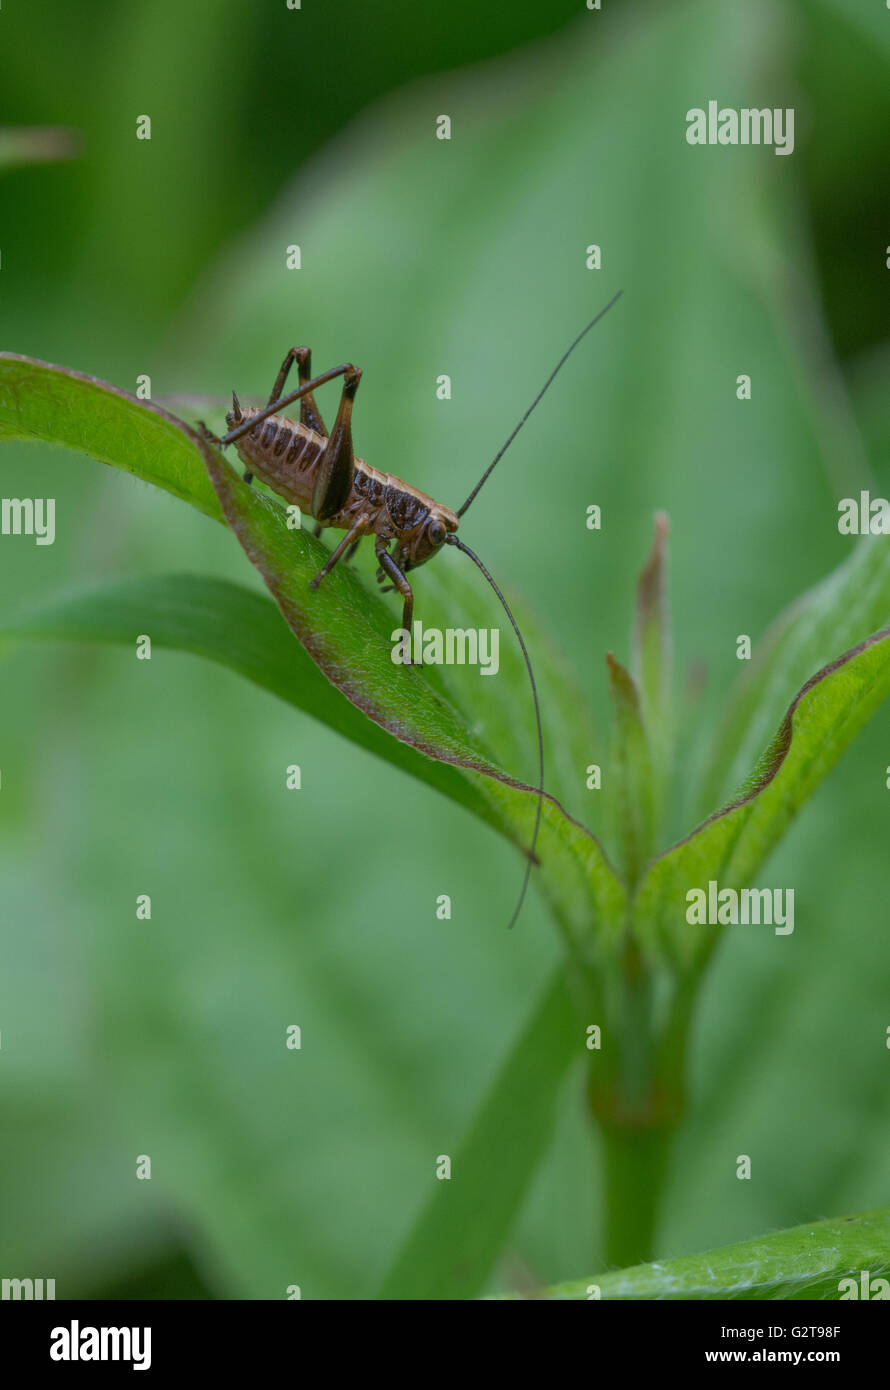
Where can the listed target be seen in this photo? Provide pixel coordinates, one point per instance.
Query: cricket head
(427, 539)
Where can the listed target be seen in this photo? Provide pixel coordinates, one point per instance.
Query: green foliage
(732, 844)
(457, 1237)
(806, 1262)
(344, 630)
(40, 401)
(419, 1042)
(343, 627)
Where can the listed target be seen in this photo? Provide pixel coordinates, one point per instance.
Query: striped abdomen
(284, 454)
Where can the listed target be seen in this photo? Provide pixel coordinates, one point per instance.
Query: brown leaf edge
(772, 759)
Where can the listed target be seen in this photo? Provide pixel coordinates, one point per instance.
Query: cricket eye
(437, 533)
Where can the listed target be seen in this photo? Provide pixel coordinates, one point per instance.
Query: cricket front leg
(391, 569)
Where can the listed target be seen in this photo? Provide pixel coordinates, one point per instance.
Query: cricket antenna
(561, 363)
(530, 860)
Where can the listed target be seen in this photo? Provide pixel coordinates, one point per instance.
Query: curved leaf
(237, 628)
(344, 628)
(730, 846)
(348, 634)
(59, 406)
(806, 1262)
(838, 612)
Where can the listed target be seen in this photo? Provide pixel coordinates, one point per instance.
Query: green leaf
(652, 646)
(484, 232)
(346, 637)
(237, 628)
(631, 770)
(840, 611)
(731, 845)
(346, 633)
(451, 1249)
(349, 635)
(345, 629)
(459, 1233)
(60, 406)
(637, 781)
(458, 597)
(806, 1262)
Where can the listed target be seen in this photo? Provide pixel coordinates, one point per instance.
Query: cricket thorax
(406, 507)
(400, 512)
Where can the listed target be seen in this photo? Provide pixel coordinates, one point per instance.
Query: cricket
(320, 473)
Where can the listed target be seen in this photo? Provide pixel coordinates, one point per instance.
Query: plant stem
(635, 1164)
(636, 1094)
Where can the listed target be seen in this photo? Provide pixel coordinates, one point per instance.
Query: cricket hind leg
(310, 415)
(335, 469)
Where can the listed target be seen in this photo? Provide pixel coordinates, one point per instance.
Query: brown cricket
(320, 473)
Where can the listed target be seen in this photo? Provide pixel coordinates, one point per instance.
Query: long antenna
(453, 540)
(561, 363)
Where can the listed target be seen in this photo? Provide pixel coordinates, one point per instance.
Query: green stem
(635, 1164)
(636, 1094)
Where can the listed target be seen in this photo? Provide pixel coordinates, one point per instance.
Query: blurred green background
(316, 127)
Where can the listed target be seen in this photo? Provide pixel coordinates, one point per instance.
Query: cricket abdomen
(284, 454)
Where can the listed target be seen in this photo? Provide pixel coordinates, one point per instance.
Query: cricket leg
(317, 530)
(310, 415)
(353, 534)
(346, 369)
(335, 470)
(390, 568)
